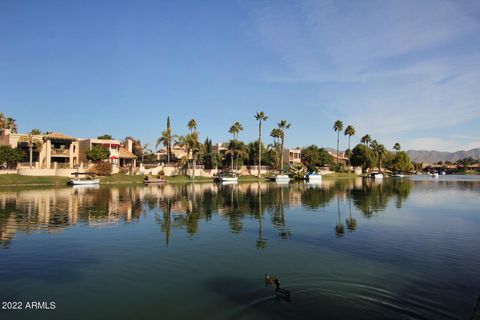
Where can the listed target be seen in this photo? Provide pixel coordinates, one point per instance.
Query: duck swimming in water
(270, 280)
(280, 292)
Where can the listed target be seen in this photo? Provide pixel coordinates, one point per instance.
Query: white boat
(443, 173)
(83, 182)
(228, 177)
(228, 182)
(375, 175)
(314, 177)
(398, 175)
(282, 178)
(434, 175)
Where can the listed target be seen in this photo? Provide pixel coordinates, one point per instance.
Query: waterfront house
(49, 150)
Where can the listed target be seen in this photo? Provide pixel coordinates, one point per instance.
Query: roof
(125, 154)
(59, 136)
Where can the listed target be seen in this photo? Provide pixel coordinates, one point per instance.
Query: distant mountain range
(431, 156)
(436, 156)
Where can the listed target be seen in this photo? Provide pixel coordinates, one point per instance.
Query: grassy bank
(340, 175)
(18, 180)
(187, 179)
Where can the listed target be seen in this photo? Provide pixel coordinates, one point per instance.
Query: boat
(314, 177)
(433, 174)
(398, 175)
(375, 175)
(228, 177)
(88, 180)
(443, 173)
(150, 180)
(282, 178)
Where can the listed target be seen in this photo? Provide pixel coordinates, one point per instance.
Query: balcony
(60, 153)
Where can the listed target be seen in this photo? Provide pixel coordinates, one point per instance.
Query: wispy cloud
(413, 63)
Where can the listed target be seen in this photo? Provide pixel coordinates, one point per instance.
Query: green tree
(236, 150)
(105, 137)
(9, 157)
(260, 116)
(35, 132)
(380, 152)
(97, 153)
(362, 156)
(312, 157)
(349, 131)
(401, 162)
(338, 126)
(282, 125)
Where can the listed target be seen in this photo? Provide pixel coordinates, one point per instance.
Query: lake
(345, 248)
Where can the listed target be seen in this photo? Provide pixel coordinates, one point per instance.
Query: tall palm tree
(349, 131)
(276, 134)
(338, 126)
(166, 139)
(192, 125)
(282, 125)
(397, 147)
(237, 150)
(380, 151)
(260, 116)
(366, 139)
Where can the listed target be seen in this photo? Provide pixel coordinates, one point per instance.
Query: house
(178, 152)
(293, 155)
(120, 155)
(342, 159)
(48, 150)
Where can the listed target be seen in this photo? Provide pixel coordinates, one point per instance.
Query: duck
(281, 293)
(270, 280)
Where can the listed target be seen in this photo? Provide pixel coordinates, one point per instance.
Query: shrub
(103, 168)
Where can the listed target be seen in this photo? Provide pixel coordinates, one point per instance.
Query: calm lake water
(346, 249)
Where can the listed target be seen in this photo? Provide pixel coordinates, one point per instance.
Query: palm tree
(192, 125)
(32, 142)
(349, 131)
(282, 125)
(366, 139)
(167, 138)
(276, 134)
(237, 150)
(11, 124)
(397, 147)
(338, 126)
(190, 142)
(260, 116)
(380, 151)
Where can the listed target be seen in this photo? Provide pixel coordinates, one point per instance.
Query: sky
(401, 71)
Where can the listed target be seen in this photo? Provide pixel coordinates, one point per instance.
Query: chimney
(129, 145)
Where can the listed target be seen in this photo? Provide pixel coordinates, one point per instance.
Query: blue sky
(402, 71)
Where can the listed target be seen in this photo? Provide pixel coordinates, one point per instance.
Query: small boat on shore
(375, 175)
(282, 179)
(398, 175)
(84, 178)
(314, 177)
(228, 177)
(433, 174)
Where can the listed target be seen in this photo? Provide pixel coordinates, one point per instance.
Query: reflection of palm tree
(351, 222)
(261, 243)
(339, 228)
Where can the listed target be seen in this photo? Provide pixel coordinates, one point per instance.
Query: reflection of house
(178, 152)
(48, 148)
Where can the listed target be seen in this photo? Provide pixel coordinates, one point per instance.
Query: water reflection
(185, 206)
